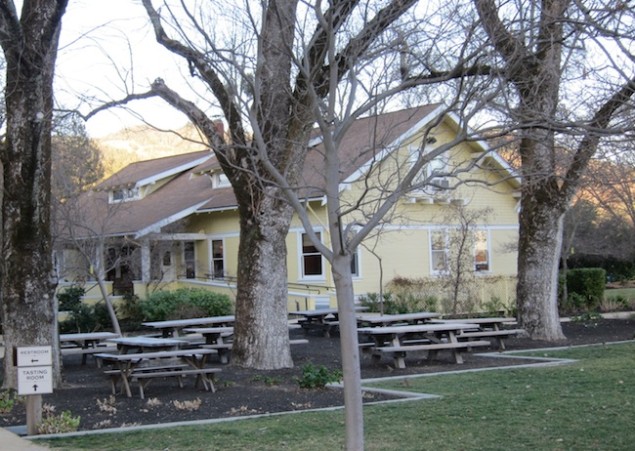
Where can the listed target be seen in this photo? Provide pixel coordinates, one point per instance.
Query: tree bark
(540, 242)
(349, 345)
(261, 338)
(26, 281)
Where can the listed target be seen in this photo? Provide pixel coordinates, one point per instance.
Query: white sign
(34, 356)
(35, 380)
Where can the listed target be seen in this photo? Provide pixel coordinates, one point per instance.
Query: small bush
(57, 424)
(399, 303)
(318, 376)
(71, 298)
(7, 401)
(588, 283)
(86, 318)
(131, 314)
(185, 303)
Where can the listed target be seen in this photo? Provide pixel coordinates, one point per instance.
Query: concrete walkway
(12, 442)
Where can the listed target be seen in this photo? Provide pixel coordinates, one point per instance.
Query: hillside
(144, 143)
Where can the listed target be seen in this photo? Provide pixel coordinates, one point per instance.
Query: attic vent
(124, 194)
(440, 183)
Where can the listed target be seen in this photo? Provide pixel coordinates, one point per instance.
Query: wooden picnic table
(212, 335)
(490, 328)
(398, 340)
(323, 320)
(127, 345)
(84, 343)
(145, 366)
(173, 327)
(368, 319)
(217, 338)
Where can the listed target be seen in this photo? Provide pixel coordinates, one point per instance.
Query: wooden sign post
(35, 378)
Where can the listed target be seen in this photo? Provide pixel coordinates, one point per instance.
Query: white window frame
(357, 256)
(445, 251)
(185, 261)
(301, 255)
(214, 259)
(438, 165)
(486, 234)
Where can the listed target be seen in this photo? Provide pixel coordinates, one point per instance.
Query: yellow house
(173, 221)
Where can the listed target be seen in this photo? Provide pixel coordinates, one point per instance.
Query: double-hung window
(218, 259)
(189, 257)
(481, 251)
(439, 252)
(311, 258)
(355, 270)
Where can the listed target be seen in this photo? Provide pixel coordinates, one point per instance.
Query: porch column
(99, 268)
(145, 261)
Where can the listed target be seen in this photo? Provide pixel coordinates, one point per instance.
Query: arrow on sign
(35, 387)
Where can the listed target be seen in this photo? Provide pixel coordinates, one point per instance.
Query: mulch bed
(86, 391)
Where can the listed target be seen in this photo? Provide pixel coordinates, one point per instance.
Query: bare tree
(29, 40)
(272, 83)
(458, 275)
(553, 59)
(264, 99)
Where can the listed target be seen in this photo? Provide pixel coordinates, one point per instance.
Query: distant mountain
(145, 143)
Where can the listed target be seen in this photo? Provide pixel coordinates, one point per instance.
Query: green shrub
(57, 424)
(318, 376)
(403, 302)
(71, 298)
(131, 314)
(7, 401)
(86, 318)
(588, 283)
(184, 303)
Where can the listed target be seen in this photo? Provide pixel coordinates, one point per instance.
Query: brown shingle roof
(142, 170)
(192, 190)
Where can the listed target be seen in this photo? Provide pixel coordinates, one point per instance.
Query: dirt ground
(86, 391)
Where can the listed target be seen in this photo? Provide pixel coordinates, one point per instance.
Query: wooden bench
(144, 378)
(115, 375)
(399, 352)
(88, 351)
(496, 335)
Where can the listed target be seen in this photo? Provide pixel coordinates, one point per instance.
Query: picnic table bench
(367, 319)
(398, 340)
(145, 366)
(491, 328)
(85, 343)
(323, 320)
(173, 327)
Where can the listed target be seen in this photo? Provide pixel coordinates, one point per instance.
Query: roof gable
(143, 173)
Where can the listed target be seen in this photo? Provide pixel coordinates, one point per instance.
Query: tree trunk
(353, 402)
(26, 282)
(109, 306)
(261, 338)
(539, 246)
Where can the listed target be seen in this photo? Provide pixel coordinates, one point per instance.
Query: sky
(107, 49)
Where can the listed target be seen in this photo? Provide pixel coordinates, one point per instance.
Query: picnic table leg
(126, 369)
(201, 378)
(458, 356)
(400, 359)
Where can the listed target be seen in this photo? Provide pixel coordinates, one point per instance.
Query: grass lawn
(587, 405)
(627, 293)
